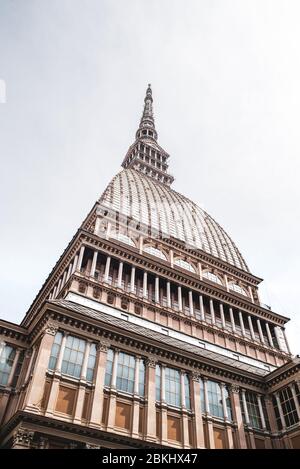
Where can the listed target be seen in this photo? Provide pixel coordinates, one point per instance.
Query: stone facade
(147, 333)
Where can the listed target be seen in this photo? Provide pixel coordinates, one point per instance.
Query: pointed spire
(147, 126)
(146, 155)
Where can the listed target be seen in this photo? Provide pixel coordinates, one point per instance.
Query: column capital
(90, 446)
(50, 328)
(151, 361)
(195, 376)
(103, 345)
(234, 388)
(23, 437)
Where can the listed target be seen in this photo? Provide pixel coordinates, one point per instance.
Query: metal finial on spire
(147, 127)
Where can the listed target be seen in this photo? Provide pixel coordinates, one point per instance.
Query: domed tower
(149, 331)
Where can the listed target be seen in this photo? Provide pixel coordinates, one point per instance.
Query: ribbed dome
(170, 213)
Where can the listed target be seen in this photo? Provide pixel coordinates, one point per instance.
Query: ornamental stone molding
(151, 361)
(91, 446)
(23, 437)
(103, 345)
(195, 376)
(234, 388)
(51, 328)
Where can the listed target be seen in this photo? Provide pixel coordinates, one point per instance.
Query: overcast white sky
(226, 84)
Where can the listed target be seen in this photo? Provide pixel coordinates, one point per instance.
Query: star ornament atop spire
(147, 126)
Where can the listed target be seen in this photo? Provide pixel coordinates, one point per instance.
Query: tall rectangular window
(253, 410)
(109, 366)
(172, 380)
(288, 407)
(215, 399)
(142, 378)
(125, 372)
(6, 362)
(91, 363)
(158, 382)
(187, 391)
(73, 356)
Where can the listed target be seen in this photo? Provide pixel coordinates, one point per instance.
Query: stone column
(150, 396)
(97, 226)
(107, 267)
(251, 327)
(222, 316)
(94, 263)
(232, 320)
(212, 311)
(36, 386)
(191, 304)
(269, 335)
(81, 253)
(58, 286)
(169, 305)
(136, 403)
(202, 313)
(156, 289)
(145, 289)
(261, 412)
(141, 244)
(280, 411)
(113, 400)
(74, 266)
(120, 274)
(237, 416)
(242, 323)
(179, 299)
(132, 279)
(198, 423)
(199, 270)
(261, 336)
(226, 282)
(69, 271)
(99, 377)
(245, 407)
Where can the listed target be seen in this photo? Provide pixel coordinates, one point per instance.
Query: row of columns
(76, 265)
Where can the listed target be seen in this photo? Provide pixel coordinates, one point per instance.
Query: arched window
(123, 238)
(238, 289)
(184, 265)
(155, 252)
(212, 277)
